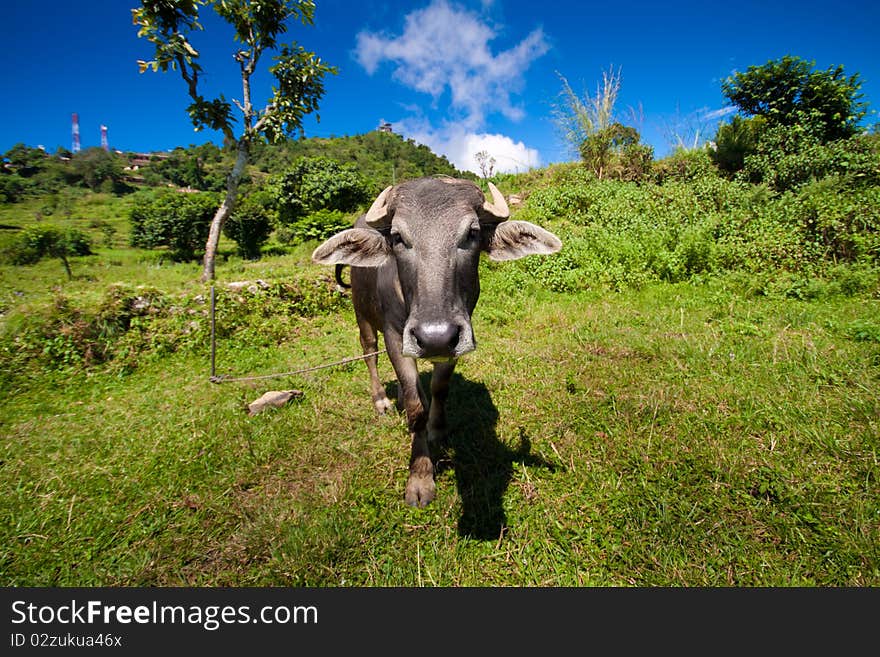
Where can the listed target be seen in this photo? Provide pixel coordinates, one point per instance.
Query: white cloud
(445, 48)
(460, 145)
(510, 156)
(713, 115)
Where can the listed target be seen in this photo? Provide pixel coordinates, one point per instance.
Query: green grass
(688, 434)
(722, 432)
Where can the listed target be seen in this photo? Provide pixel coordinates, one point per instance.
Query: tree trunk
(66, 267)
(224, 210)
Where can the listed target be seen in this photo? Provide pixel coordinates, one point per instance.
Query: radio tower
(75, 133)
(104, 143)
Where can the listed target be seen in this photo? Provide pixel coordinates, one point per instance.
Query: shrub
(761, 238)
(636, 161)
(789, 156)
(174, 220)
(251, 223)
(318, 183)
(622, 234)
(615, 152)
(843, 224)
(12, 187)
(42, 240)
(98, 170)
(734, 141)
(107, 229)
(320, 225)
(684, 165)
(285, 235)
(853, 279)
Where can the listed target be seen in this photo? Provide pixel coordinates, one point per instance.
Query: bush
(12, 187)
(318, 183)
(320, 225)
(843, 224)
(178, 221)
(195, 168)
(99, 170)
(622, 234)
(853, 279)
(734, 141)
(636, 162)
(684, 165)
(251, 223)
(761, 237)
(285, 235)
(43, 240)
(789, 156)
(615, 152)
(696, 221)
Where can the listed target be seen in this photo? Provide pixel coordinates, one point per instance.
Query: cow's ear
(510, 240)
(360, 247)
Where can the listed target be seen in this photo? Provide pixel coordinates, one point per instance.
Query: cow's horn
(378, 212)
(498, 207)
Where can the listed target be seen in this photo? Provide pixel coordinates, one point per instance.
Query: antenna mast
(75, 132)
(104, 143)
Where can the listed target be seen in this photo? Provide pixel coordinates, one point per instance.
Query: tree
(98, 169)
(788, 92)
(486, 163)
(299, 77)
(24, 160)
(37, 242)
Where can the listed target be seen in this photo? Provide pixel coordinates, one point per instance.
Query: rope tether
(223, 378)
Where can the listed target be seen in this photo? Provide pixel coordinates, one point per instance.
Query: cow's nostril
(453, 338)
(437, 339)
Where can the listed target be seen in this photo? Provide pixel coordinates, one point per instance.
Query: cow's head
(434, 229)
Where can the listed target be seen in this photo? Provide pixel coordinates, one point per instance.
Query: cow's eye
(473, 235)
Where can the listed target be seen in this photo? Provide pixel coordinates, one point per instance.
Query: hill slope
(382, 158)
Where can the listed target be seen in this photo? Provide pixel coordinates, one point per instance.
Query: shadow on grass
(483, 464)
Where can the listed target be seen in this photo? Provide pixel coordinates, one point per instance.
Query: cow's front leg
(439, 392)
(420, 487)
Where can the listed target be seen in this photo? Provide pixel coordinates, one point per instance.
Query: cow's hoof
(420, 490)
(383, 405)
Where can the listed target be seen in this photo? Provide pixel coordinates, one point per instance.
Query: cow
(414, 260)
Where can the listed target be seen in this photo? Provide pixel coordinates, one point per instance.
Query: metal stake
(213, 336)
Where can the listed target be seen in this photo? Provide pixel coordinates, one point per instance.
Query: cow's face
(434, 231)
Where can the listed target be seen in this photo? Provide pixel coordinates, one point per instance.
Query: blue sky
(457, 75)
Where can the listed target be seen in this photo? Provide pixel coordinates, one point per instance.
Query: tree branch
(191, 78)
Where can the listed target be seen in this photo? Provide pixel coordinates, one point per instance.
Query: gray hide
(414, 277)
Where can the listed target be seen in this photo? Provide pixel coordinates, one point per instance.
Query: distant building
(384, 126)
(137, 160)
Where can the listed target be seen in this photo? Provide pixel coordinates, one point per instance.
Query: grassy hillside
(380, 157)
(685, 395)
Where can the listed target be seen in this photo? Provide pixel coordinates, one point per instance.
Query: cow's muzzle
(437, 340)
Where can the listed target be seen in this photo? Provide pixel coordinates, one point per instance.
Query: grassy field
(691, 434)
